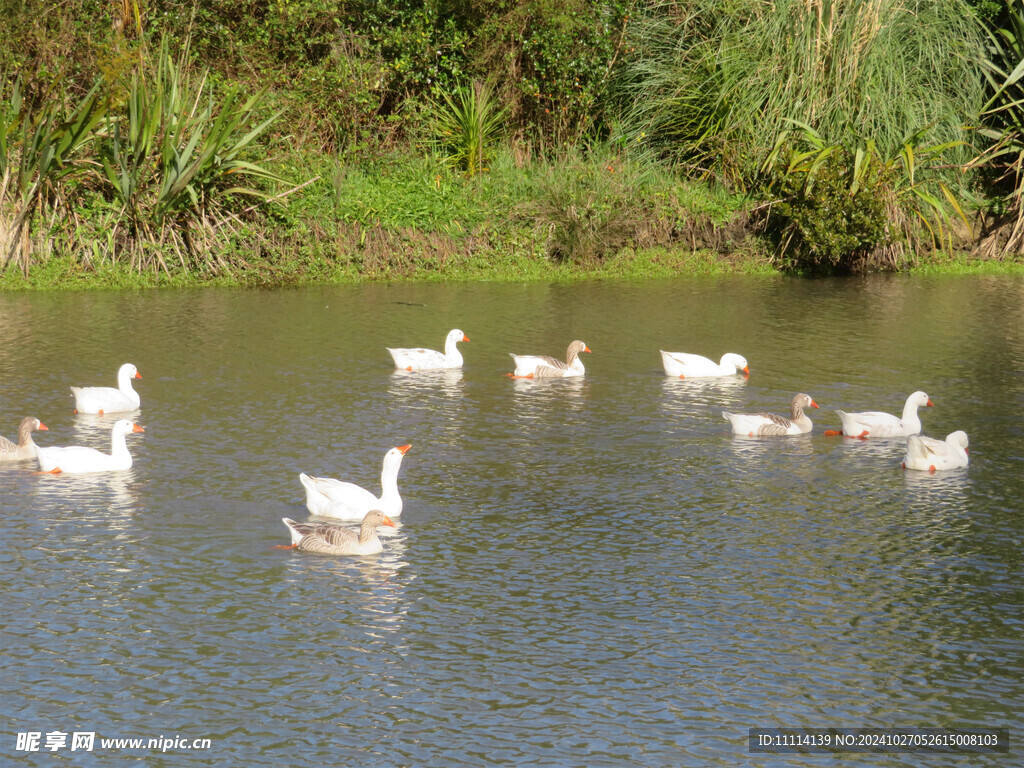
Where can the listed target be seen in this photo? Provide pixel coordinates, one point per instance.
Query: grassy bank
(70, 273)
(414, 217)
(599, 214)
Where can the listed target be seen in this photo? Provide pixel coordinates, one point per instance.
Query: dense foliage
(148, 130)
(1003, 116)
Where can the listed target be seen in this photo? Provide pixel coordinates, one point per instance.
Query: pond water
(588, 572)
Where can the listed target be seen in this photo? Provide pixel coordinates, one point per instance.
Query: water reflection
(94, 423)
(547, 390)
(112, 495)
(877, 449)
(948, 487)
(684, 397)
(410, 385)
(745, 447)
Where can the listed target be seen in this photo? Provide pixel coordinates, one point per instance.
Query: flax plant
(462, 126)
(42, 151)
(1003, 67)
(175, 163)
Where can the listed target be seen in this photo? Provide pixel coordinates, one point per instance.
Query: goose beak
(586, 348)
(403, 449)
(138, 375)
(43, 426)
(746, 369)
(930, 404)
(813, 404)
(137, 428)
(465, 337)
(389, 522)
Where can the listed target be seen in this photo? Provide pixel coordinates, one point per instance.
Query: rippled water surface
(587, 573)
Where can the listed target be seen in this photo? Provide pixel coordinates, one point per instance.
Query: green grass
(967, 266)
(417, 219)
(513, 262)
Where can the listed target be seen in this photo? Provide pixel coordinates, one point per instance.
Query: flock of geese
(330, 498)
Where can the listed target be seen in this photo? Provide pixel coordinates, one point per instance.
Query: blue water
(587, 573)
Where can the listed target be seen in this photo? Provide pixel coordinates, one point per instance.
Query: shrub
(840, 210)
(824, 225)
(582, 208)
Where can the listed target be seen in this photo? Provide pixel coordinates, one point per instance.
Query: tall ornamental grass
(713, 83)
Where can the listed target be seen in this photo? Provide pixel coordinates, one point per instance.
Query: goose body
(687, 366)
(109, 399)
(880, 424)
(771, 425)
(347, 501)
(930, 455)
(25, 448)
(77, 460)
(541, 366)
(330, 539)
(420, 359)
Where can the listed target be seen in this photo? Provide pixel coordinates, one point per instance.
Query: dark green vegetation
(148, 142)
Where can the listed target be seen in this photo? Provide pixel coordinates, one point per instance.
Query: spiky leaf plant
(1003, 67)
(463, 126)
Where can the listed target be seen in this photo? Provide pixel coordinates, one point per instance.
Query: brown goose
(330, 539)
(541, 366)
(770, 425)
(26, 447)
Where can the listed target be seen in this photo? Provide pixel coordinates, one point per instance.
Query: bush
(823, 225)
(840, 209)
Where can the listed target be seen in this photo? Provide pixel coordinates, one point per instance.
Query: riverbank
(599, 216)
(70, 274)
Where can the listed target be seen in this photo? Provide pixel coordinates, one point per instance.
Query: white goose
(770, 425)
(347, 501)
(930, 455)
(880, 424)
(330, 539)
(25, 448)
(420, 359)
(541, 366)
(107, 399)
(77, 460)
(694, 366)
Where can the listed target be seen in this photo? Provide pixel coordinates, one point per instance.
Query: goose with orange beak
(328, 497)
